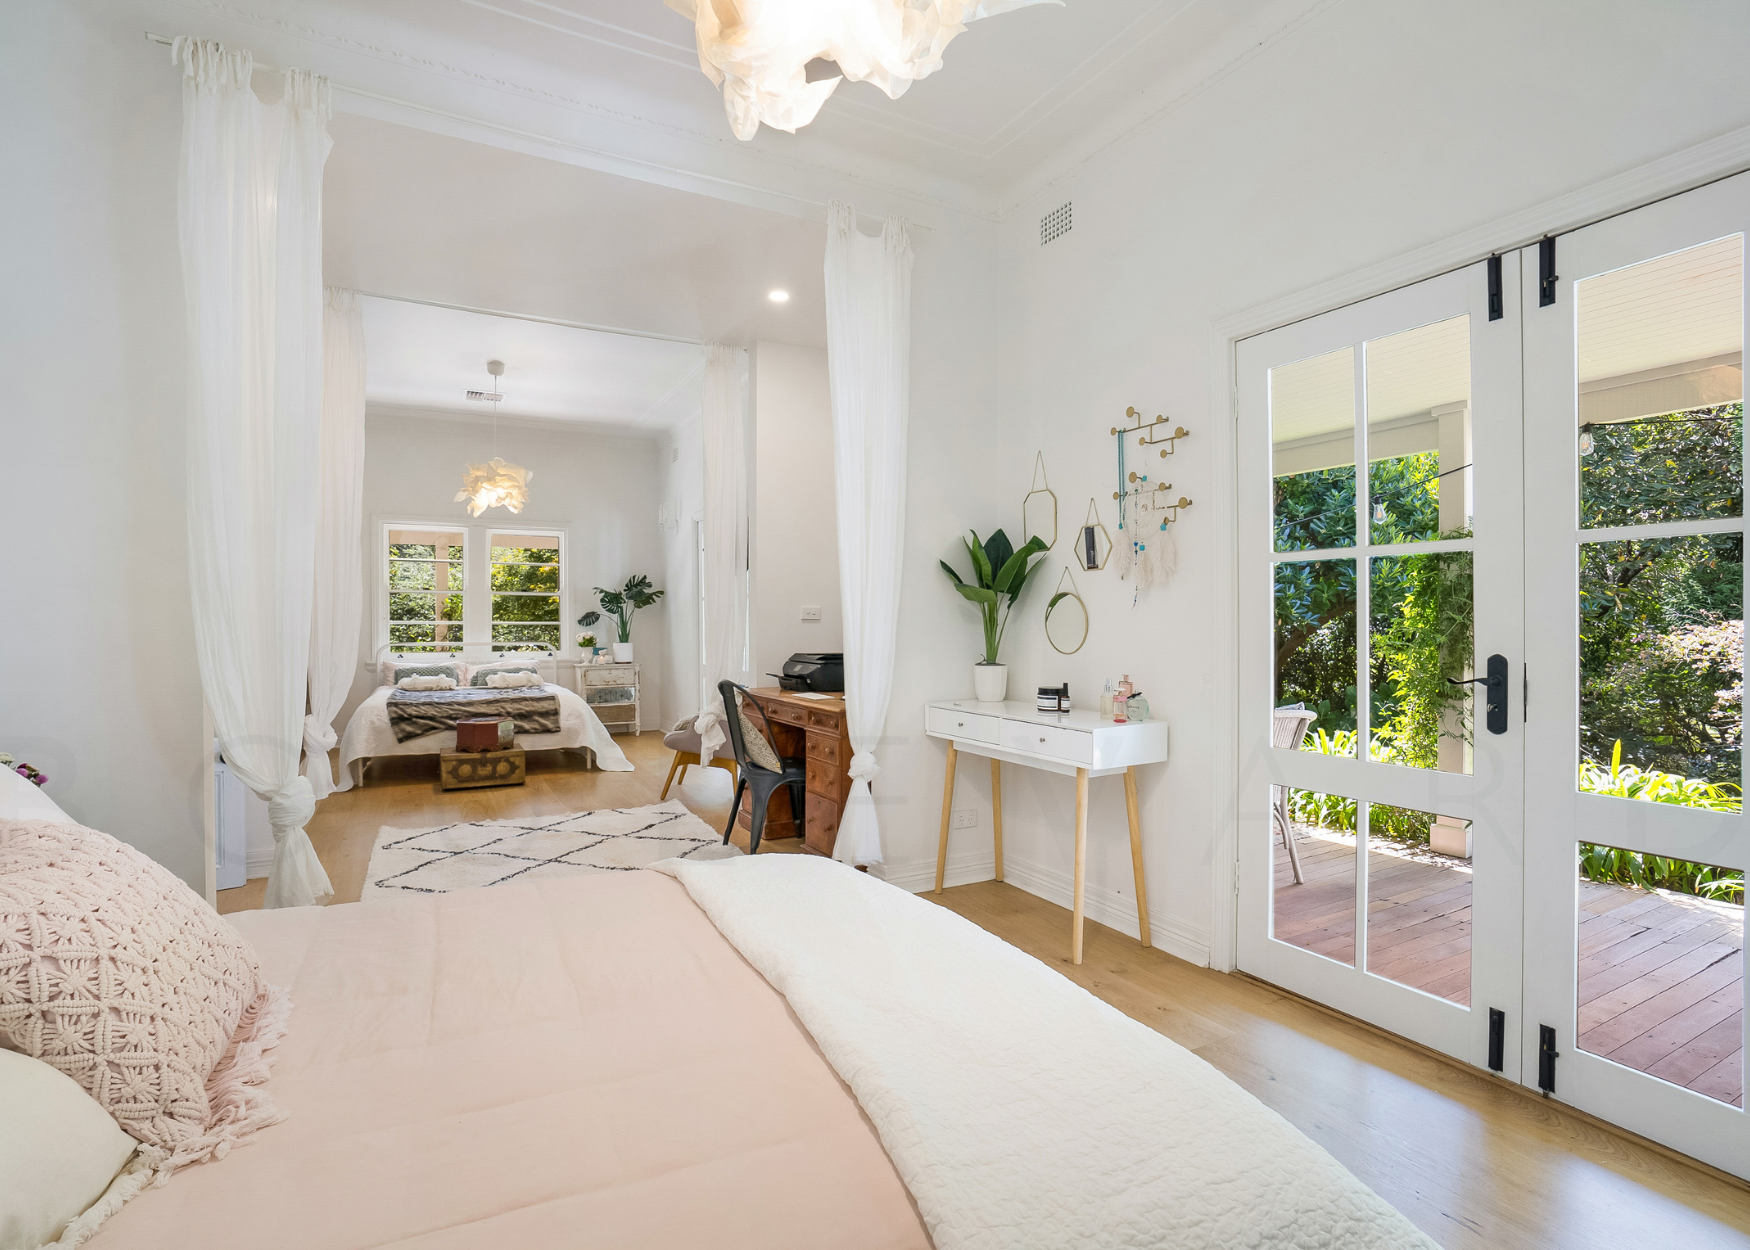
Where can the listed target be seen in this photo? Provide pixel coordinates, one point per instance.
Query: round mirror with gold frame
(1066, 618)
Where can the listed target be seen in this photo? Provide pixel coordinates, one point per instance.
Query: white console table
(1077, 744)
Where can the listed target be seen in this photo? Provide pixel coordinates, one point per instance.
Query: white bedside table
(1077, 744)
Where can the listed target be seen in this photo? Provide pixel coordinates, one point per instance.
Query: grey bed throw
(415, 713)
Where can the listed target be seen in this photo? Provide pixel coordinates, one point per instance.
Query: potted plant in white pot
(621, 604)
(999, 573)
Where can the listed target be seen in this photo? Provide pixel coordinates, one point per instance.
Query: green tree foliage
(1660, 620)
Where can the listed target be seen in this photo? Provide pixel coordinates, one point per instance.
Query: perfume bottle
(1106, 701)
(1120, 702)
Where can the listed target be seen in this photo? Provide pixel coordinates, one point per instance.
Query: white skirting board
(1109, 907)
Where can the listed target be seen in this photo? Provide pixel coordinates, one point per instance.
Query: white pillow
(25, 800)
(61, 1156)
(386, 668)
(513, 679)
(427, 683)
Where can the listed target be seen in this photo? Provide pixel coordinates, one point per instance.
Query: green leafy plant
(998, 575)
(622, 603)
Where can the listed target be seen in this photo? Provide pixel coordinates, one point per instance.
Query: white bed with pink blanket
(771, 1051)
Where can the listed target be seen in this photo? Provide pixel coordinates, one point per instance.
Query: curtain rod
(561, 143)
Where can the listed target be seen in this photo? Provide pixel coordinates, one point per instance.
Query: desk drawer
(789, 713)
(827, 781)
(821, 825)
(1065, 744)
(828, 722)
(968, 725)
(829, 750)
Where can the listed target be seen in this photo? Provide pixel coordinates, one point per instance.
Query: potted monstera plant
(621, 604)
(999, 572)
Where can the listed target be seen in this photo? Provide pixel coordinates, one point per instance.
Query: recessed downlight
(778, 297)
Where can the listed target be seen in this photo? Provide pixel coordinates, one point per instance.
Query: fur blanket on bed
(414, 713)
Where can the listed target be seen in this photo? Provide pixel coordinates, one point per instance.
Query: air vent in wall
(1054, 223)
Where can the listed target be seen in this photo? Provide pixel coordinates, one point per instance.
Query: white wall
(681, 468)
(795, 527)
(1376, 128)
(601, 489)
(98, 682)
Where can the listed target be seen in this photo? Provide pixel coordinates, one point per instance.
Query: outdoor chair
(1287, 730)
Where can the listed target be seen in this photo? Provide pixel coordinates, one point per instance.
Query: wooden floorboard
(1471, 1160)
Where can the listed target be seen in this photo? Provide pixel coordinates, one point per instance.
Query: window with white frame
(527, 575)
(424, 571)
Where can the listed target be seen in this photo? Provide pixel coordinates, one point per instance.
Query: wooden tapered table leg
(947, 815)
(996, 810)
(1075, 933)
(1136, 852)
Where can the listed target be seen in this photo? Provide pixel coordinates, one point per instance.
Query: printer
(819, 671)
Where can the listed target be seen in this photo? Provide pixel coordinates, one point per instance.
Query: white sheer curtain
(868, 353)
(250, 211)
(725, 573)
(339, 593)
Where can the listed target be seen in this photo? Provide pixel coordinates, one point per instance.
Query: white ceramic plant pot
(990, 682)
(622, 653)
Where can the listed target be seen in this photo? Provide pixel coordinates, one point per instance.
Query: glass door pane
(1379, 873)
(1635, 837)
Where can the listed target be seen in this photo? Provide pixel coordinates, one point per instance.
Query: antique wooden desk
(1079, 744)
(812, 729)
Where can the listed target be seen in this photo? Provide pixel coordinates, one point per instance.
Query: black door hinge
(1497, 1039)
(1546, 272)
(1495, 308)
(1546, 1059)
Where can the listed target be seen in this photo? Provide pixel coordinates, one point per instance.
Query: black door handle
(1495, 683)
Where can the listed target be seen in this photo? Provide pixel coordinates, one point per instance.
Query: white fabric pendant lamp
(497, 483)
(758, 50)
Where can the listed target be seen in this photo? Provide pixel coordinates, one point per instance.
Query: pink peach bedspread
(581, 1062)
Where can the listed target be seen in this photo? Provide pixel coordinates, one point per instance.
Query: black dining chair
(762, 779)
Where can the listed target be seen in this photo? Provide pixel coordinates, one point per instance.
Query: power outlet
(966, 818)
(811, 611)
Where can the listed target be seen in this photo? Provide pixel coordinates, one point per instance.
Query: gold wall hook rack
(1148, 431)
(1141, 492)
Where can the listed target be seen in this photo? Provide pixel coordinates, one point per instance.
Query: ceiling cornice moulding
(685, 158)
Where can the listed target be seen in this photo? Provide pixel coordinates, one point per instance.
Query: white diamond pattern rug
(470, 854)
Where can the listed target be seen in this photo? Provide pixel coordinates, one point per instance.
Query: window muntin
(425, 581)
(526, 571)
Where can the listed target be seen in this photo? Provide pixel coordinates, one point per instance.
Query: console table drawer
(968, 725)
(1065, 744)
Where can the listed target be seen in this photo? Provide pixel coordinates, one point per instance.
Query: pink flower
(42, 779)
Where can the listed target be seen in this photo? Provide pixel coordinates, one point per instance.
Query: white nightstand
(611, 690)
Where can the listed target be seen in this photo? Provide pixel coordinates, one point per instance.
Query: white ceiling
(1015, 93)
(428, 358)
(414, 214)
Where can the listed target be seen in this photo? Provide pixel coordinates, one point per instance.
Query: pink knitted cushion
(118, 974)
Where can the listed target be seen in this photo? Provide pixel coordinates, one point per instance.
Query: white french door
(1528, 472)
(1634, 594)
(1380, 564)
